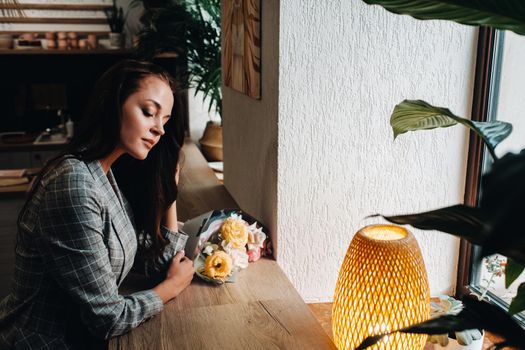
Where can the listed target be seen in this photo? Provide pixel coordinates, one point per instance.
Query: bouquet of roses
(230, 249)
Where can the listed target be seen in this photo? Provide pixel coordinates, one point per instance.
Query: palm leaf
(192, 30)
(412, 115)
(499, 14)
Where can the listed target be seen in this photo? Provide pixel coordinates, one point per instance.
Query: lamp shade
(382, 286)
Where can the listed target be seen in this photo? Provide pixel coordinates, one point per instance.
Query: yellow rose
(218, 265)
(235, 232)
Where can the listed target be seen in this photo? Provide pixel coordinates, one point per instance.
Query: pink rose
(254, 254)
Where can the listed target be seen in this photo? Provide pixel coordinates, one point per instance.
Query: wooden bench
(261, 310)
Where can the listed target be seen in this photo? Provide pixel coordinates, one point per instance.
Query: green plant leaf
(518, 302)
(513, 270)
(412, 115)
(459, 220)
(475, 315)
(502, 203)
(499, 14)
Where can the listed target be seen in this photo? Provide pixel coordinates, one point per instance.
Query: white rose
(256, 237)
(239, 258)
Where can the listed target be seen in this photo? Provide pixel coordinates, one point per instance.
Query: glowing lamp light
(382, 286)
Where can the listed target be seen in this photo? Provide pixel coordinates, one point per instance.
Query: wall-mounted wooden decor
(241, 57)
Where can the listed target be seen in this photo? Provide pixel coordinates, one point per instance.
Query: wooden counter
(261, 310)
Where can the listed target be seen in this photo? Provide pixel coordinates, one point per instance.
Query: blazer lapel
(120, 220)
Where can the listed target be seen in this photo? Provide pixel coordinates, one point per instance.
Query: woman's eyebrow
(155, 102)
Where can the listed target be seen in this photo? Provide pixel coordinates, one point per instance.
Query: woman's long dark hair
(148, 185)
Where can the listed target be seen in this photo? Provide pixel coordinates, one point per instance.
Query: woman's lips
(149, 142)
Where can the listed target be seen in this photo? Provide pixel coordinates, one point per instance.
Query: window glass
(506, 103)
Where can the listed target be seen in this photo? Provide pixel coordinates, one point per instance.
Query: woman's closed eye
(148, 113)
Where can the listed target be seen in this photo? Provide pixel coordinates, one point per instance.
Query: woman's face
(144, 114)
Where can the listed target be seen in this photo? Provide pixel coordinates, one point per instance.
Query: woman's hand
(178, 277)
(177, 174)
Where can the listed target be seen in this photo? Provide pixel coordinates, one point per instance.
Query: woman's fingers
(179, 256)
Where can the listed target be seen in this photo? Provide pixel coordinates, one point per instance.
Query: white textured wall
(343, 66)
(327, 95)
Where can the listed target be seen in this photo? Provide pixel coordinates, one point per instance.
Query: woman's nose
(158, 127)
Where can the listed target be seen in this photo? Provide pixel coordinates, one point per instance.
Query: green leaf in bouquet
(518, 302)
(412, 115)
(499, 14)
(513, 270)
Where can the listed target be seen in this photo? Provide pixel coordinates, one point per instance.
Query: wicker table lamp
(382, 286)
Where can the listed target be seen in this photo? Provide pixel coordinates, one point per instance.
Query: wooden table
(261, 310)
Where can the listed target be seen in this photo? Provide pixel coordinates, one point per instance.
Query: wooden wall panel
(241, 25)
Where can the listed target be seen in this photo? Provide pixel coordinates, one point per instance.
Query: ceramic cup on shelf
(92, 41)
(62, 44)
(82, 44)
(73, 43)
(51, 44)
(6, 41)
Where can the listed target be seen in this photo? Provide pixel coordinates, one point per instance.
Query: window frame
(484, 107)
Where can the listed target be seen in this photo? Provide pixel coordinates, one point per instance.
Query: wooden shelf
(43, 32)
(46, 20)
(65, 52)
(72, 7)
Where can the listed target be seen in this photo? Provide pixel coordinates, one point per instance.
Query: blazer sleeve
(156, 270)
(72, 243)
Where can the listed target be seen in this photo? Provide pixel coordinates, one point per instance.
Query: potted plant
(115, 18)
(191, 30)
(495, 225)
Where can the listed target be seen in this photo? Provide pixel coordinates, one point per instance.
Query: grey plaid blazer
(75, 244)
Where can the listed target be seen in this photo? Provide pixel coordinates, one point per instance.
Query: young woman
(77, 236)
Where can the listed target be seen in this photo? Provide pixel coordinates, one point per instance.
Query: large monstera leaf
(413, 115)
(499, 14)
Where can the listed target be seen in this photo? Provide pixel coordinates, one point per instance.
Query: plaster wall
(316, 155)
(343, 66)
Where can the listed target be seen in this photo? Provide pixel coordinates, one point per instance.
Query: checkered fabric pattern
(75, 244)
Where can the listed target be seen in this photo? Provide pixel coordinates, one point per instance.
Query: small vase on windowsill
(454, 345)
(211, 142)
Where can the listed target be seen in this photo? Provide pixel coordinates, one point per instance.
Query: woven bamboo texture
(382, 286)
